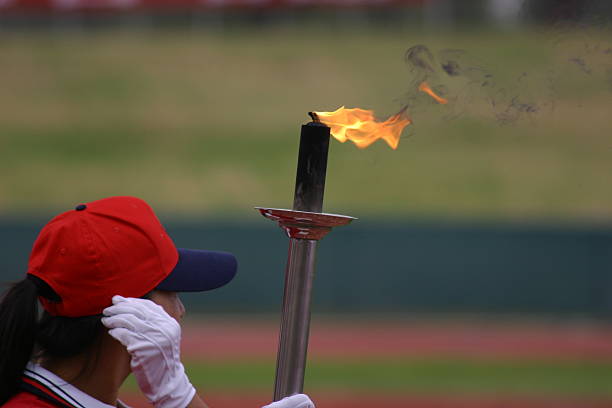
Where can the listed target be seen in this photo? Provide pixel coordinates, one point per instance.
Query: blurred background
(479, 272)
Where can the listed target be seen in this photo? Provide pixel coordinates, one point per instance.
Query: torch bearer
(305, 225)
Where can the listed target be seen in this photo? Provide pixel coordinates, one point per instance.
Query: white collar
(64, 389)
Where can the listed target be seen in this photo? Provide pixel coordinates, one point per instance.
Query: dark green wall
(396, 267)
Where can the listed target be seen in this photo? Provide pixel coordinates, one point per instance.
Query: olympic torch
(305, 225)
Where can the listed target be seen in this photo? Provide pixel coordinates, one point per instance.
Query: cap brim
(199, 270)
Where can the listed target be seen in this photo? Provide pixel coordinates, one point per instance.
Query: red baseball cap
(117, 246)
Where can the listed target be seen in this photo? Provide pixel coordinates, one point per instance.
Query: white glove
(152, 338)
(294, 401)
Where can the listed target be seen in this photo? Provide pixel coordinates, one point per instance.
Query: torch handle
(295, 318)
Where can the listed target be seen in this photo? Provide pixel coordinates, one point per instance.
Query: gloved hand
(294, 401)
(152, 338)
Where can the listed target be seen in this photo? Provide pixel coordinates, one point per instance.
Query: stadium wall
(396, 267)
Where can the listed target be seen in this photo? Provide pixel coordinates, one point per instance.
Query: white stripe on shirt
(62, 388)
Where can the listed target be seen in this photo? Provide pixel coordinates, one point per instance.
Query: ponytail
(26, 334)
(18, 327)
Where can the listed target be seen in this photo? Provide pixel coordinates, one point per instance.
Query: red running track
(239, 338)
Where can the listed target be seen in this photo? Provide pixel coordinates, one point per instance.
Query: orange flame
(425, 88)
(360, 126)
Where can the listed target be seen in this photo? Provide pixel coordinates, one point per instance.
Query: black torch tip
(315, 117)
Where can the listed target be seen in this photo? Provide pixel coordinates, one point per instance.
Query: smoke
(574, 36)
(470, 86)
(581, 58)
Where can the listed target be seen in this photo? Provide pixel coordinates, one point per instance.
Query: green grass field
(434, 376)
(206, 122)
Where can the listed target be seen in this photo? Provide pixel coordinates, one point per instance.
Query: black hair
(26, 333)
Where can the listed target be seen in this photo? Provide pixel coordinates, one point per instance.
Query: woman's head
(117, 246)
(80, 260)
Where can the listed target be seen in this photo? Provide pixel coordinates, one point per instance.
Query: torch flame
(360, 126)
(425, 88)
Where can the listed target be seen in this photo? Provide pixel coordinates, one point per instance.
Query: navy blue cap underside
(199, 270)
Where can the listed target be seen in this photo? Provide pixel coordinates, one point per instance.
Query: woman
(107, 277)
